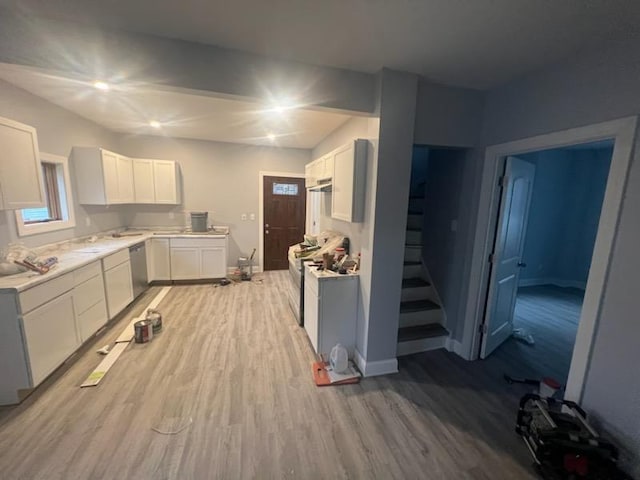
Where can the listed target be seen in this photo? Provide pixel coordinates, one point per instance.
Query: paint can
(155, 318)
(143, 331)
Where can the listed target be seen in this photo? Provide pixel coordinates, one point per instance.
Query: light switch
(87, 221)
(171, 215)
(252, 216)
(454, 225)
(243, 216)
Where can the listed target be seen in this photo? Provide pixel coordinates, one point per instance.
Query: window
(285, 189)
(58, 212)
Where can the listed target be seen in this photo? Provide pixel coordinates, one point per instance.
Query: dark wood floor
(551, 314)
(234, 368)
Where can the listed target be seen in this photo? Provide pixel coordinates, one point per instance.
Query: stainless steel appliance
(138, 257)
(296, 284)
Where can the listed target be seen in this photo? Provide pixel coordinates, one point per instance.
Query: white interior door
(507, 253)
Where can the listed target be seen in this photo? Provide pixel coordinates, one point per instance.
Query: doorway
(547, 224)
(622, 132)
(284, 208)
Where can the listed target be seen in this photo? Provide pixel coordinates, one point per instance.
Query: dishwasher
(138, 257)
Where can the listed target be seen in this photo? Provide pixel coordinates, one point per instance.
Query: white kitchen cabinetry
(319, 171)
(159, 260)
(103, 177)
(89, 300)
(330, 309)
(143, 186)
(198, 258)
(156, 181)
(309, 179)
(21, 183)
(50, 336)
(166, 182)
(117, 281)
(349, 175)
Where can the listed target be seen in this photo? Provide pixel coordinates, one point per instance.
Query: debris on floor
(172, 426)
(323, 376)
(523, 336)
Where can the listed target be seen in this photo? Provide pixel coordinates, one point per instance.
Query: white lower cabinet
(159, 261)
(89, 300)
(50, 336)
(198, 258)
(330, 310)
(117, 282)
(185, 263)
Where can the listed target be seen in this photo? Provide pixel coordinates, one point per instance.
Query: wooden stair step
(414, 282)
(412, 229)
(409, 262)
(418, 332)
(418, 306)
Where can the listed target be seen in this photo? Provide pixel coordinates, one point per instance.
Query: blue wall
(563, 219)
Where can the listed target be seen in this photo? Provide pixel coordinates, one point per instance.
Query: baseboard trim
(455, 346)
(232, 270)
(379, 367)
(558, 282)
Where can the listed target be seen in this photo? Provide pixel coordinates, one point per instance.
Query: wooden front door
(284, 218)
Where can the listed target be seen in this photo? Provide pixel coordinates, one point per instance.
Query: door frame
(623, 132)
(261, 175)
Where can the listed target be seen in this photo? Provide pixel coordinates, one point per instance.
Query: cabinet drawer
(198, 242)
(40, 294)
(310, 280)
(92, 319)
(50, 336)
(115, 259)
(88, 293)
(83, 274)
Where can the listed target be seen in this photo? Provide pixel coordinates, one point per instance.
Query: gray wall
(593, 87)
(448, 116)
(441, 242)
(357, 127)
(58, 130)
(27, 39)
(221, 178)
(563, 218)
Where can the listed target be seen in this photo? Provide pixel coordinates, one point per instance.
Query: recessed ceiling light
(104, 86)
(155, 124)
(271, 137)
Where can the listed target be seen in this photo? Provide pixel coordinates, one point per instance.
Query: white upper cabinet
(143, 181)
(349, 176)
(21, 184)
(166, 182)
(102, 177)
(107, 178)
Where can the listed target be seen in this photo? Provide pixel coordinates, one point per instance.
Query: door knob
(266, 232)
(266, 225)
(522, 265)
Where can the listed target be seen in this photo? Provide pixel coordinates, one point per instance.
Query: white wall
(593, 87)
(221, 178)
(58, 130)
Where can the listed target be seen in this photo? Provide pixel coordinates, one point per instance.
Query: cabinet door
(90, 321)
(21, 181)
(125, 180)
(309, 181)
(342, 190)
(110, 173)
(213, 262)
(311, 312)
(328, 167)
(143, 181)
(185, 263)
(50, 336)
(161, 259)
(166, 182)
(119, 288)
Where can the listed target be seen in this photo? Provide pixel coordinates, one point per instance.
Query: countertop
(75, 254)
(328, 275)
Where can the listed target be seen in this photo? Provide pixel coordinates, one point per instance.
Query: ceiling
(130, 109)
(471, 43)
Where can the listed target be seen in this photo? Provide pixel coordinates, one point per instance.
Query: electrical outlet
(243, 216)
(454, 225)
(252, 216)
(171, 215)
(87, 221)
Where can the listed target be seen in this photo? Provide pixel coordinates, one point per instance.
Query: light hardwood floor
(234, 361)
(551, 315)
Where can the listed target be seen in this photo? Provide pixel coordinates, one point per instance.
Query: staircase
(421, 326)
